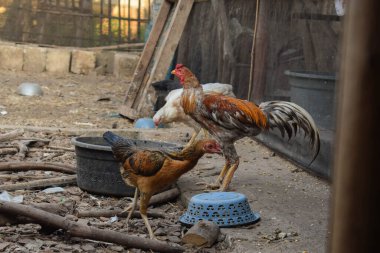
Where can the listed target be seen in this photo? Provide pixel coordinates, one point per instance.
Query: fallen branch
(11, 135)
(62, 148)
(64, 180)
(84, 231)
(60, 209)
(164, 197)
(8, 151)
(25, 166)
(119, 212)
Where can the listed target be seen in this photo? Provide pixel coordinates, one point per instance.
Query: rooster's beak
(173, 72)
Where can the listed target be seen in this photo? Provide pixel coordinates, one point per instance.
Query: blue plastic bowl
(226, 209)
(145, 123)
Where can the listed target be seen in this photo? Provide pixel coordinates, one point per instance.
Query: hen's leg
(192, 140)
(205, 133)
(229, 175)
(144, 201)
(131, 208)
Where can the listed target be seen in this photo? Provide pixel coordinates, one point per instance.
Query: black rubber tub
(97, 170)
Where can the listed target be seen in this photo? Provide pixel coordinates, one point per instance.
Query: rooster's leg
(229, 175)
(223, 173)
(215, 186)
(131, 208)
(144, 201)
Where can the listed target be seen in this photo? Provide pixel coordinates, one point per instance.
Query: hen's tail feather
(122, 148)
(290, 118)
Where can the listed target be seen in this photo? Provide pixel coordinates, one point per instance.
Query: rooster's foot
(209, 187)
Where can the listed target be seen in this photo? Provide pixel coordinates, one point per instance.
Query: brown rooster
(151, 171)
(229, 119)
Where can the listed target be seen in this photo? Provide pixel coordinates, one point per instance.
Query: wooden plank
(165, 54)
(127, 109)
(355, 224)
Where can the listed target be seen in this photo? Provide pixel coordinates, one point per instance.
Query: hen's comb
(179, 66)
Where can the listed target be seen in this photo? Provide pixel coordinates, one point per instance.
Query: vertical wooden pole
(356, 191)
(250, 84)
(261, 45)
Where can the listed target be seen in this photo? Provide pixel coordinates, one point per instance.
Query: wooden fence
(82, 23)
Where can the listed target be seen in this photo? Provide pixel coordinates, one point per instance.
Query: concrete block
(125, 64)
(82, 62)
(58, 60)
(34, 59)
(105, 60)
(11, 57)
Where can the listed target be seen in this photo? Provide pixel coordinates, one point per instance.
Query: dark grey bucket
(315, 92)
(97, 170)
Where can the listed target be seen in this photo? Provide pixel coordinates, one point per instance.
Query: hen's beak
(173, 72)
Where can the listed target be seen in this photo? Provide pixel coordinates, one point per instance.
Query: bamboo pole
(356, 189)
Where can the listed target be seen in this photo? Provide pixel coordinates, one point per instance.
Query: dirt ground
(293, 204)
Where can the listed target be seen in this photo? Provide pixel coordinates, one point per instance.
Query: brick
(82, 62)
(34, 59)
(105, 59)
(58, 61)
(11, 57)
(125, 64)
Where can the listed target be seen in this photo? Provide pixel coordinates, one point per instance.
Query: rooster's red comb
(179, 66)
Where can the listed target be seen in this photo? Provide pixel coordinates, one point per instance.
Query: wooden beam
(165, 53)
(356, 189)
(127, 109)
(157, 56)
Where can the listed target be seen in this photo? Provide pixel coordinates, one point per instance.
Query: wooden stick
(60, 209)
(84, 231)
(163, 197)
(112, 47)
(11, 135)
(65, 180)
(250, 84)
(8, 151)
(62, 148)
(25, 166)
(119, 212)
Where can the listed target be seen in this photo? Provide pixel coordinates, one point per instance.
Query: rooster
(172, 111)
(229, 119)
(151, 171)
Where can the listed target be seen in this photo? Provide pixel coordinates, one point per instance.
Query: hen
(172, 111)
(230, 119)
(151, 171)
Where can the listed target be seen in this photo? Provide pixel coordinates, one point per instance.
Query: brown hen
(151, 171)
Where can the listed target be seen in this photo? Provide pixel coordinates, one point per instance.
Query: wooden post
(356, 191)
